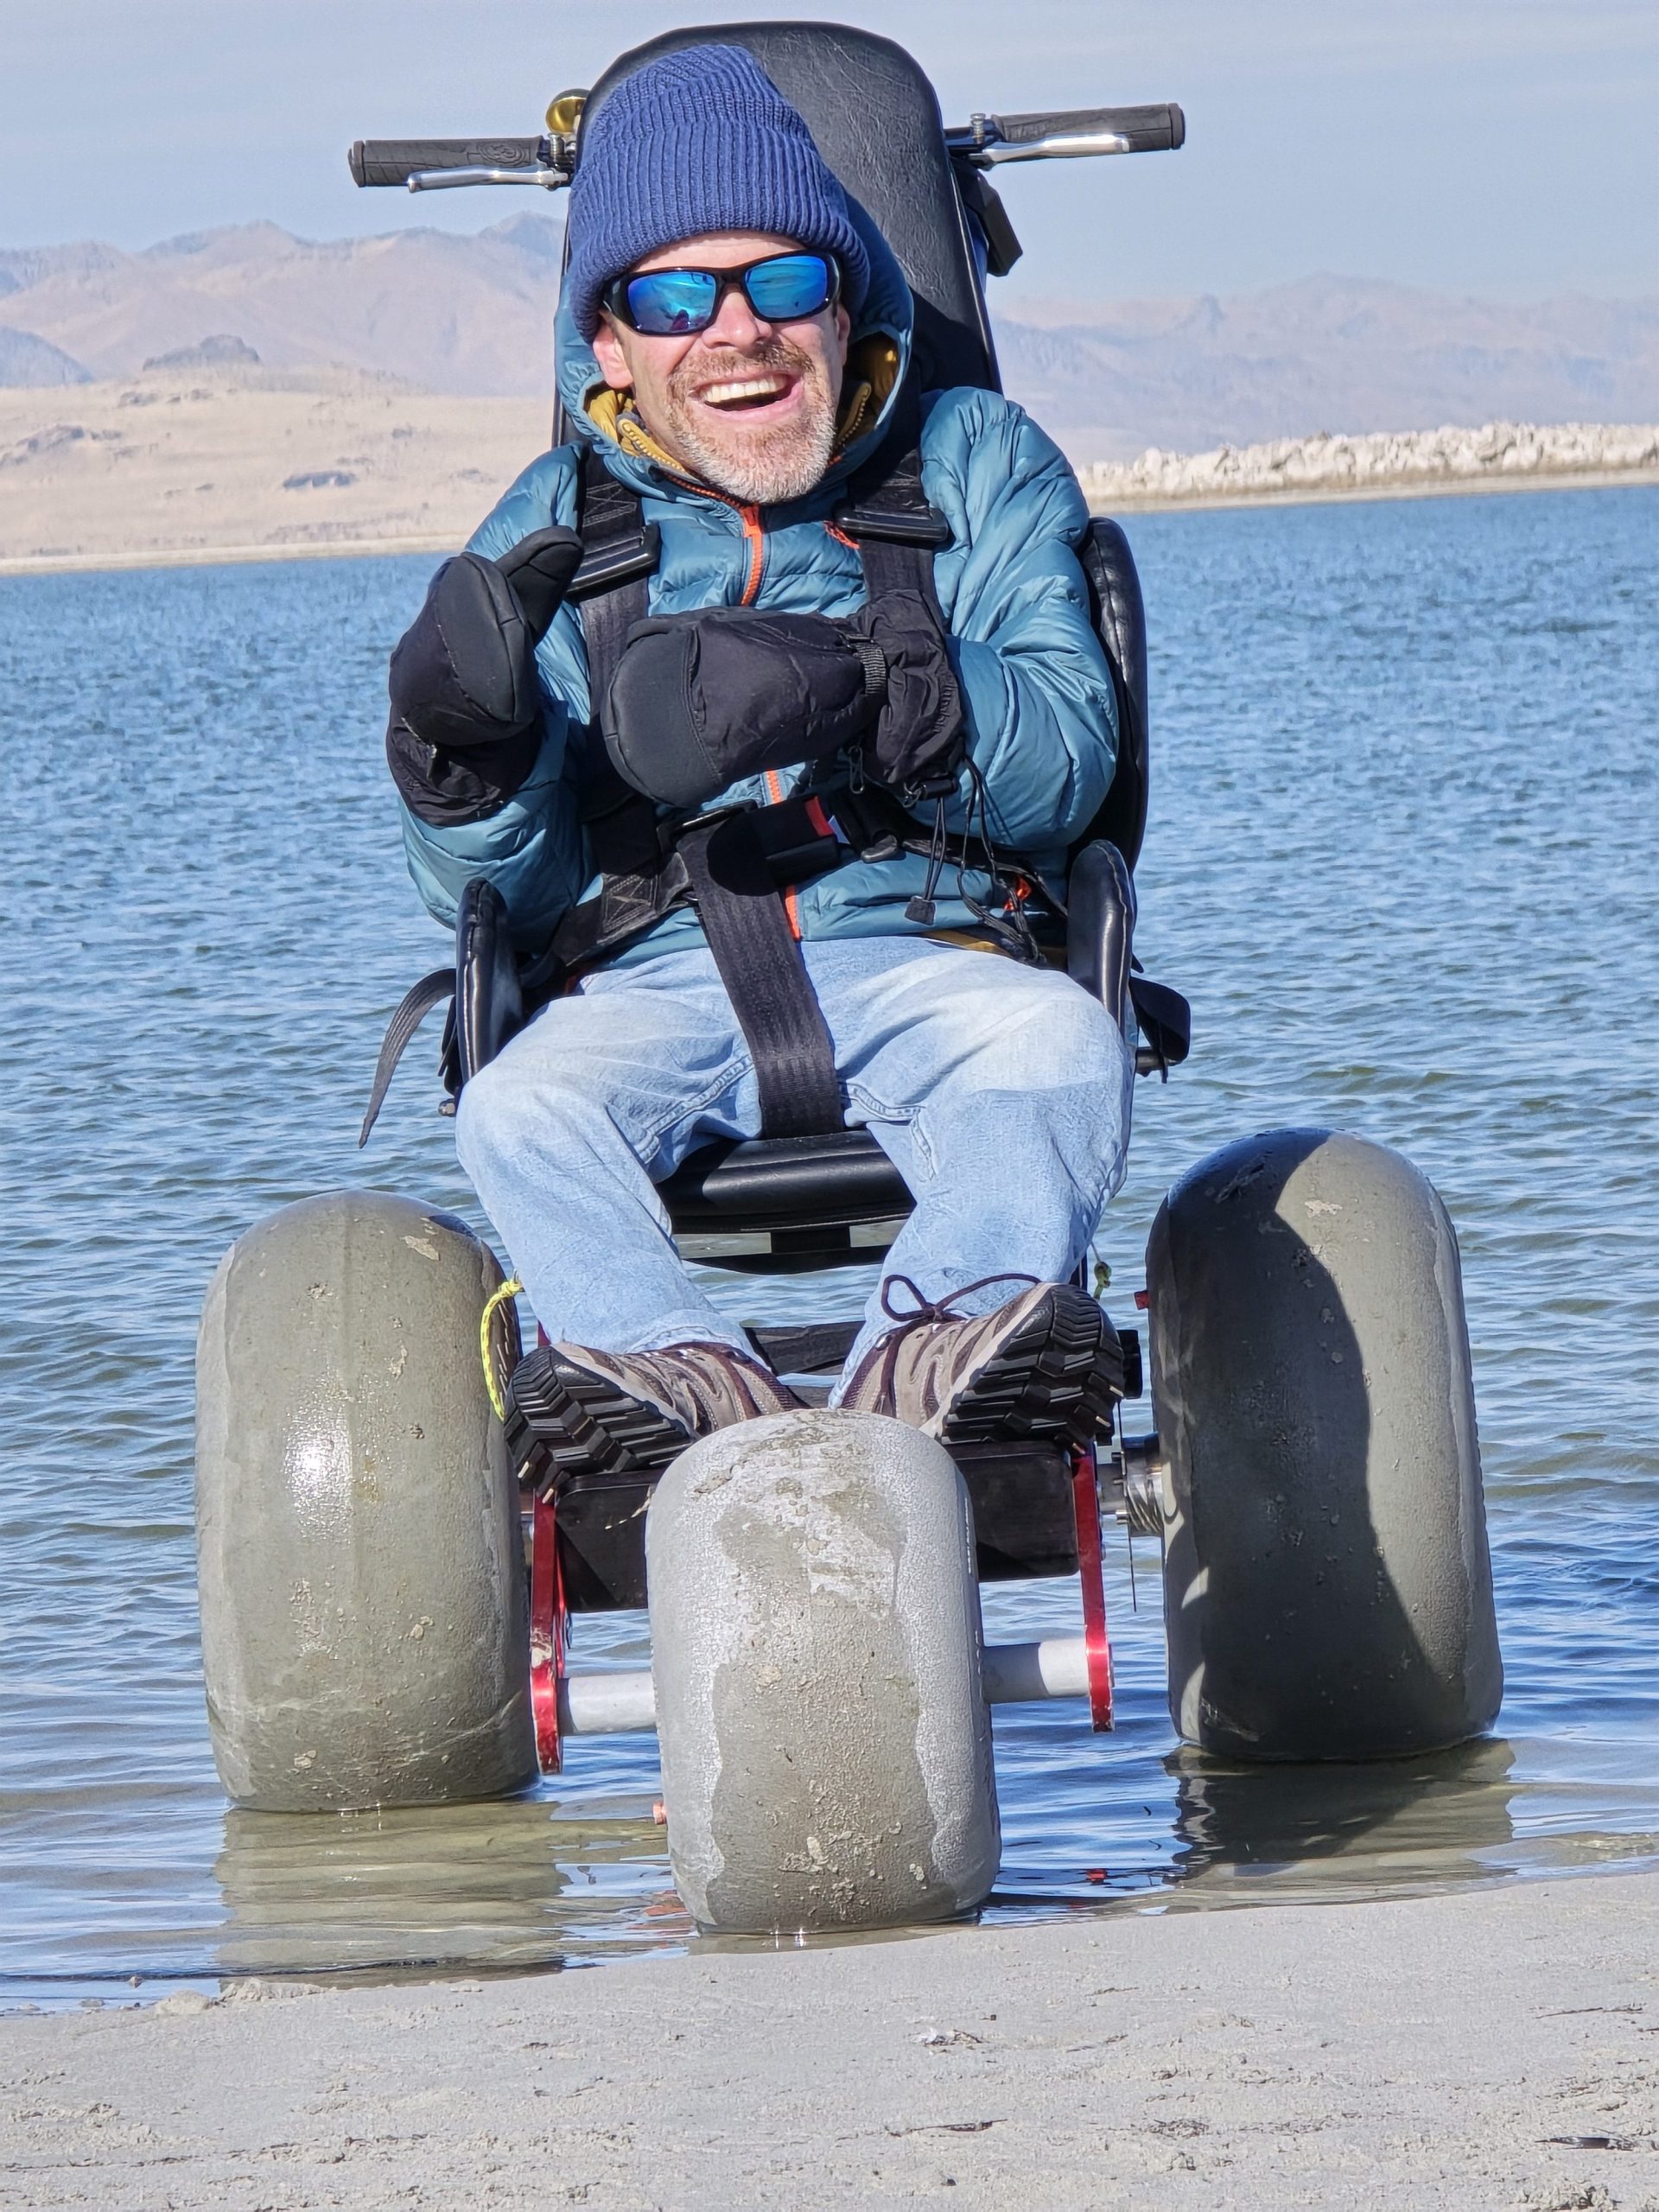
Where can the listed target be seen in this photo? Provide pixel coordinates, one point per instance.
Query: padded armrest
(1100, 929)
(1120, 623)
(489, 1004)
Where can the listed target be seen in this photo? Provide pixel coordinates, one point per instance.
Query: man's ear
(843, 331)
(613, 362)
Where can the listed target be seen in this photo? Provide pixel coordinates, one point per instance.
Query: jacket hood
(878, 354)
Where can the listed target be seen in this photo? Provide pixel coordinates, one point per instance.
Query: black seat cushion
(787, 1183)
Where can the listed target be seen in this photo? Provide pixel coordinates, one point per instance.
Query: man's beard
(760, 467)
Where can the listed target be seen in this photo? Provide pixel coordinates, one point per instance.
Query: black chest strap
(733, 869)
(611, 592)
(724, 868)
(611, 589)
(887, 514)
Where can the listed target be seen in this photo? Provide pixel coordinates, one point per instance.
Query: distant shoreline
(1382, 464)
(213, 556)
(223, 463)
(1601, 479)
(221, 556)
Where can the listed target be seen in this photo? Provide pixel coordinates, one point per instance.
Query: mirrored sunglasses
(671, 303)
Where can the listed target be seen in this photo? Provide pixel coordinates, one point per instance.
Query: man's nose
(736, 324)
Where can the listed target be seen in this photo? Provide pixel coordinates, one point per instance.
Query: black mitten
(466, 705)
(699, 701)
(464, 671)
(539, 568)
(917, 742)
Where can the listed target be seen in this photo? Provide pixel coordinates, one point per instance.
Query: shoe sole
(1056, 1378)
(584, 1424)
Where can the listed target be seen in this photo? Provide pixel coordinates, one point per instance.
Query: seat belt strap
(796, 838)
(759, 962)
(726, 868)
(413, 1008)
(619, 545)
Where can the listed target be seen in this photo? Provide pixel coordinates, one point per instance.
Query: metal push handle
(433, 164)
(985, 143)
(991, 140)
(437, 164)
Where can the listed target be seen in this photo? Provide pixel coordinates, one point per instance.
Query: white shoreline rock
(1380, 460)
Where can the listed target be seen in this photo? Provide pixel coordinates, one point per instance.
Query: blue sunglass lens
(789, 288)
(672, 300)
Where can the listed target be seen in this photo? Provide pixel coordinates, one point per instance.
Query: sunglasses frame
(615, 298)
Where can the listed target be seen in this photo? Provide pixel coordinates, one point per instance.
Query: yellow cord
(497, 1299)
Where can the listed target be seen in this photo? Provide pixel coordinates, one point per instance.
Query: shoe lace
(924, 1311)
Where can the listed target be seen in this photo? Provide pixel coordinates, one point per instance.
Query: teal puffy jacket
(1042, 716)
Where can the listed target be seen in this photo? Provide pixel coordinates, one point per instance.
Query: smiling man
(745, 404)
(904, 755)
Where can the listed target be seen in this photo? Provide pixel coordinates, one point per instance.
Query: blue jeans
(1000, 1092)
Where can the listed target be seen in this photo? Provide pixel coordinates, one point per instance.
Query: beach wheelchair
(385, 1603)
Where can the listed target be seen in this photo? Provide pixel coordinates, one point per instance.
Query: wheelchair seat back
(876, 120)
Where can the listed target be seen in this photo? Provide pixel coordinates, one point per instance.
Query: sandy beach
(249, 465)
(213, 463)
(1484, 2050)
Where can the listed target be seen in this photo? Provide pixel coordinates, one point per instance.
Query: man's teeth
(728, 395)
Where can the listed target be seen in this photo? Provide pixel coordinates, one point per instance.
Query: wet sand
(1492, 2049)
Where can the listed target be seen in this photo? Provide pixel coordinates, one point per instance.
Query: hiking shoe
(1047, 1365)
(631, 1413)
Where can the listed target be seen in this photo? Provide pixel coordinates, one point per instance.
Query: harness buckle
(611, 561)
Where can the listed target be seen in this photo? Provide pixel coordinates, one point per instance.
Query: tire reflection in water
(1328, 1832)
(509, 1884)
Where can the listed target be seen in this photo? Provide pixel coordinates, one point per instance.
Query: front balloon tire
(360, 1567)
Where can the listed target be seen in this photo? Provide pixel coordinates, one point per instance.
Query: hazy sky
(1500, 147)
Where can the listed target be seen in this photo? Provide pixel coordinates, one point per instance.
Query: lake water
(1401, 859)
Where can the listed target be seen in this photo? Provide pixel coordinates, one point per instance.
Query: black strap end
(413, 1008)
(921, 526)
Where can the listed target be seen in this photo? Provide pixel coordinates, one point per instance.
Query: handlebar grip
(394, 161)
(1149, 129)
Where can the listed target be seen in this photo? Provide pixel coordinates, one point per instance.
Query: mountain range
(473, 315)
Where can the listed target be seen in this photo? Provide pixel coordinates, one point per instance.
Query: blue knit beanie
(699, 140)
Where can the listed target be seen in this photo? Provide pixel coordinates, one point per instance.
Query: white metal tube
(1015, 1673)
(452, 179)
(1065, 145)
(607, 1704)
